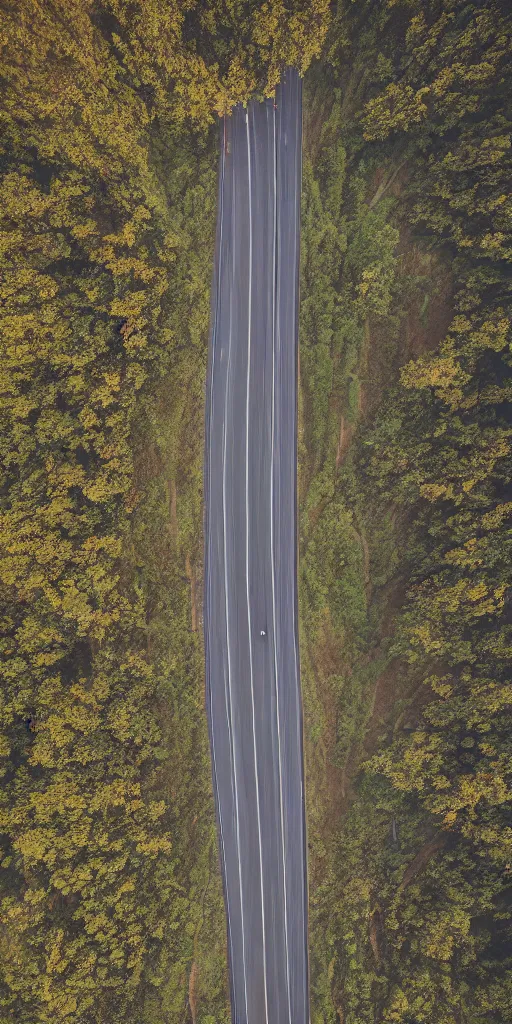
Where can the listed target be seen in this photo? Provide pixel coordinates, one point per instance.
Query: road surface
(252, 666)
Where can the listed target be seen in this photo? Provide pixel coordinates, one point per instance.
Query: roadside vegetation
(404, 503)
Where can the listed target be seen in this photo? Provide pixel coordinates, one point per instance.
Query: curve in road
(252, 664)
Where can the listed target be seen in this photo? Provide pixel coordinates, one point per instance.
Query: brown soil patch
(173, 512)
(348, 774)
(428, 850)
(192, 1002)
(347, 429)
(345, 438)
(376, 934)
(147, 464)
(388, 180)
(189, 569)
(424, 329)
(383, 705)
(325, 661)
(315, 114)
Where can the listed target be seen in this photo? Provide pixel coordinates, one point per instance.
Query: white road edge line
(249, 313)
(275, 324)
(295, 636)
(229, 692)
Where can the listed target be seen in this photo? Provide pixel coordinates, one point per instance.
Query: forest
(405, 513)
(110, 895)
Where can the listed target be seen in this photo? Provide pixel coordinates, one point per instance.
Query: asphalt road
(252, 664)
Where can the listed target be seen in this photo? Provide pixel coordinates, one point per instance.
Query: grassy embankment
(403, 493)
(165, 554)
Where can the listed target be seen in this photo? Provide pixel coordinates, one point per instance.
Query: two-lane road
(252, 668)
